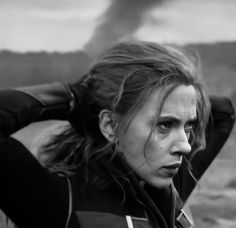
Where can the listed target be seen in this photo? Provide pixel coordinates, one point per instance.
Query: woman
(139, 117)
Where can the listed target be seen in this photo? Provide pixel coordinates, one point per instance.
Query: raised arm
(29, 194)
(22, 106)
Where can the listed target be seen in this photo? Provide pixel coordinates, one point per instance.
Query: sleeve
(218, 130)
(22, 106)
(29, 194)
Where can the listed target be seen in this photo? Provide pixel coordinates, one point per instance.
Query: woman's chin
(159, 182)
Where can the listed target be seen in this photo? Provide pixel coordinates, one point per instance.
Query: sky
(59, 25)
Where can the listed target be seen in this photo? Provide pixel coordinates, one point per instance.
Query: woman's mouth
(171, 169)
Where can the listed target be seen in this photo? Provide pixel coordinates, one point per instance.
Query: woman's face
(157, 160)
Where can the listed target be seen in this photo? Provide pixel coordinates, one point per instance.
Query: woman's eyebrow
(169, 118)
(176, 120)
(193, 120)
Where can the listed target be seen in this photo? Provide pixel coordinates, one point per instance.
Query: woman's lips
(171, 169)
(173, 165)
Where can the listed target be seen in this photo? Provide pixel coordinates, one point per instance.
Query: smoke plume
(120, 21)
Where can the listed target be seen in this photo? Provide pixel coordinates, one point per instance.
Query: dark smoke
(119, 22)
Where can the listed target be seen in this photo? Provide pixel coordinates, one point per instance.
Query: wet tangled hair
(121, 80)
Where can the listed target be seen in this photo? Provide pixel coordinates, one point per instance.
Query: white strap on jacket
(129, 221)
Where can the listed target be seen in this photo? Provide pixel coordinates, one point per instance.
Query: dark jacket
(106, 193)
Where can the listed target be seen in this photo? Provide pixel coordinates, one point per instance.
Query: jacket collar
(153, 199)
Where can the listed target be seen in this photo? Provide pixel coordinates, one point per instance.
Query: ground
(213, 203)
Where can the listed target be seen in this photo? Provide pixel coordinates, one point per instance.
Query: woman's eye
(188, 128)
(164, 126)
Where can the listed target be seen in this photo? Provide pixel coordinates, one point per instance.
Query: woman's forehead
(182, 94)
(181, 103)
(181, 98)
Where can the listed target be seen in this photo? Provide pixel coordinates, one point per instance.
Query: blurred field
(213, 205)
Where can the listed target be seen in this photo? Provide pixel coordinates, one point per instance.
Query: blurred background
(56, 40)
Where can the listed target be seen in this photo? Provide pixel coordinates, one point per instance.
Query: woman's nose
(181, 144)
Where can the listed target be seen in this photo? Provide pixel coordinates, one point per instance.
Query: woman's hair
(121, 80)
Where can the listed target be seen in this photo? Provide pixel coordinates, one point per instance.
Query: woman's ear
(106, 126)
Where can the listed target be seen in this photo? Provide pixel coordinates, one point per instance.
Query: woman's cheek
(157, 147)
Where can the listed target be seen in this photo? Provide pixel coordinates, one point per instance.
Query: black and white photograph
(117, 113)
